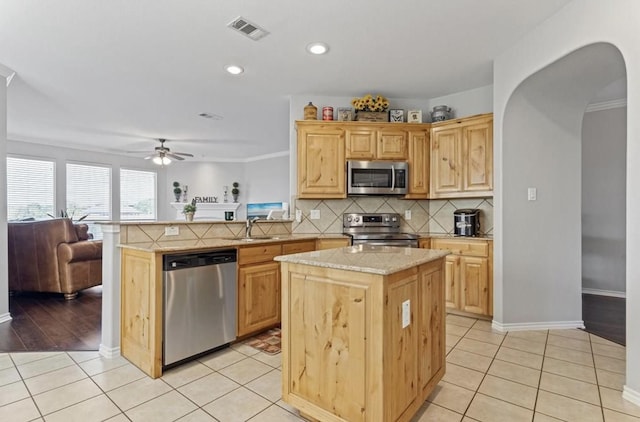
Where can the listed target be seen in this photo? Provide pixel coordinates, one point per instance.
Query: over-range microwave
(377, 177)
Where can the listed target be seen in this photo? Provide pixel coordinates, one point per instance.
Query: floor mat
(268, 342)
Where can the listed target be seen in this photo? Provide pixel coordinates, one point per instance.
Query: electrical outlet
(406, 313)
(299, 216)
(407, 214)
(532, 194)
(171, 231)
(315, 214)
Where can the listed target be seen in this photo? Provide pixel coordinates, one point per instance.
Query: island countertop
(382, 260)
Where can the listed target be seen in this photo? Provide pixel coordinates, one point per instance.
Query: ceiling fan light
(161, 161)
(234, 69)
(318, 48)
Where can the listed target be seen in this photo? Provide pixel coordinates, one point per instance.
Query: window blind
(89, 193)
(138, 195)
(30, 189)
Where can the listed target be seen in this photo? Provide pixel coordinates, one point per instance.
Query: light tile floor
(535, 376)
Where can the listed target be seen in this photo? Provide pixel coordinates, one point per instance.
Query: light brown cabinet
(332, 243)
(352, 357)
(462, 157)
(321, 161)
(468, 274)
(419, 153)
(375, 143)
(259, 284)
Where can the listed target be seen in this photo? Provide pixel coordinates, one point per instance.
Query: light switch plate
(407, 214)
(315, 214)
(406, 313)
(532, 194)
(171, 231)
(299, 216)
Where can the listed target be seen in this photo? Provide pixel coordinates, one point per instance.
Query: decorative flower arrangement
(370, 103)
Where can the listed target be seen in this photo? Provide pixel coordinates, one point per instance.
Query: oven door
(377, 178)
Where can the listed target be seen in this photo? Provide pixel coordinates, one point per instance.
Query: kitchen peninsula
(362, 331)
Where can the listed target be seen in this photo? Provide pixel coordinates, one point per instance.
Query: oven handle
(401, 243)
(393, 177)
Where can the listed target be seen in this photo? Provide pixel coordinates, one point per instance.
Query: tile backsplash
(429, 215)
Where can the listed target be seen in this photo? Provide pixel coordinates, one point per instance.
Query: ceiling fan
(163, 155)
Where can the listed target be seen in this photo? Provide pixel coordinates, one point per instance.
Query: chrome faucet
(249, 226)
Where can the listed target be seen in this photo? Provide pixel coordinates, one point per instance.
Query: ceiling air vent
(247, 28)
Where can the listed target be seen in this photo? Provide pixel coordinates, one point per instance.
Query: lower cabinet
(259, 284)
(332, 243)
(468, 275)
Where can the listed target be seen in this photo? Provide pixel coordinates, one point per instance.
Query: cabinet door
(258, 297)
(478, 157)
(451, 281)
(432, 324)
(360, 143)
(332, 243)
(474, 284)
(321, 163)
(392, 144)
(446, 157)
(418, 164)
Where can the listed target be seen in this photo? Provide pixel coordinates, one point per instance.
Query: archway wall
(542, 85)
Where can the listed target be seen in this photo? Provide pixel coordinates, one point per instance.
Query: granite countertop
(383, 260)
(424, 235)
(198, 244)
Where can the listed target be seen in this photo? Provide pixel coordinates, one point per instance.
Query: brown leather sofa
(53, 256)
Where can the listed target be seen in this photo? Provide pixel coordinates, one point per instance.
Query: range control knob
(349, 219)
(394, 219)
(357, 219)
(386, 219)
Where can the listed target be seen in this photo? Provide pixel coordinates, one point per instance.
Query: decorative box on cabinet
(468, 274)
(462, 157)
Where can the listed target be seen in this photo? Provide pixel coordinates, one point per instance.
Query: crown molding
(7, 73)
(606, 105)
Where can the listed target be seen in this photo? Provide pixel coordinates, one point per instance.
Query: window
(30, 189)
(89, 194)
(137, 195)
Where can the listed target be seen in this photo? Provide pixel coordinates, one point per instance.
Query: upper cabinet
(321, 161)
(462, 157)
(418, 140)
(375, 143)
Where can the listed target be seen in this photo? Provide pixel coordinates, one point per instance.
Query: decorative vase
(235, 197)
(310, 112)
(188, 216)
(177, 195)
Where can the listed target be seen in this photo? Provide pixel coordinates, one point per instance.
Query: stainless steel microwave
(377, 177)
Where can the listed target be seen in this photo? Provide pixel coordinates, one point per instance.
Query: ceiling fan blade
(148, 157)
(137, 152)
(172, 155)
(186, 154)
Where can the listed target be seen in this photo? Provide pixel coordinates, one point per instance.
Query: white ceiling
(113, 75)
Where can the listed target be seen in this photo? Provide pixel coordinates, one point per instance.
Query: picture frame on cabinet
(345, 114)
(414, 116)
(396, 115)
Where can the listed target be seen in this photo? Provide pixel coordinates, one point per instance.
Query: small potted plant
(235, 191)
(189, 210)
(177, 191)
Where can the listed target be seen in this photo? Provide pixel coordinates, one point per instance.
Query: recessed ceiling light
(233, 69)
(317, 48)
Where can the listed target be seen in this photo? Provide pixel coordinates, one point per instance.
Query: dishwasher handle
(200, 259)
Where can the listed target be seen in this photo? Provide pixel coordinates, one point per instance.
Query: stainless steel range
(377, 229)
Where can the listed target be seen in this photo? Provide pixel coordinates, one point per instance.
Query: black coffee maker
(466, 222)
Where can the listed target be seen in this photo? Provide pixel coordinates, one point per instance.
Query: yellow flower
(370, 103)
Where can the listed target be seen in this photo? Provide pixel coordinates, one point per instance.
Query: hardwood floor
(605, 317)
(48, 322)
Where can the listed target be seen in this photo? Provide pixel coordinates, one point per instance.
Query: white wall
(604, 144)
(580, 23)
(4, 271)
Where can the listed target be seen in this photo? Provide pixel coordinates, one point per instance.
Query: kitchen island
(362, 331)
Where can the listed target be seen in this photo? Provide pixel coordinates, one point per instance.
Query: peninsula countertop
(382, 260)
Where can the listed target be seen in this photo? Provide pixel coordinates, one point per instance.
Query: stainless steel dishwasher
(199, 292)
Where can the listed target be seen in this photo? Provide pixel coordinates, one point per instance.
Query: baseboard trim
(529, 326)
(631, 395)
(109, 352)
(5, 317)
(599, 292)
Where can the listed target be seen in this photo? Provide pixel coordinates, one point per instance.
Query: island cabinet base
(359, 346)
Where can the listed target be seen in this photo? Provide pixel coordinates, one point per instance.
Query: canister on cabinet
(310, 112)
(327, 113)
